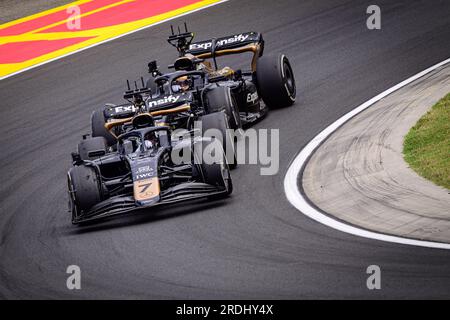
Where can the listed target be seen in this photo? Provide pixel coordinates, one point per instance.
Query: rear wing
(238, 43)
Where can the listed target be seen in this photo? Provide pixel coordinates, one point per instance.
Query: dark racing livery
(128, 161)
(142, 171)
(198, 86)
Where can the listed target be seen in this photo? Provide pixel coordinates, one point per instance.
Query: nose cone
(146, 191)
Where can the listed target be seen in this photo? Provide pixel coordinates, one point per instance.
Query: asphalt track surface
(253, 245)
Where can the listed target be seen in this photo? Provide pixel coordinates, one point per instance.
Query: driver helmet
(182, 84)
(150, 140)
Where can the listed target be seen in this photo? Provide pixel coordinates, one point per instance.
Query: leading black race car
(145, 170)
(198, 87)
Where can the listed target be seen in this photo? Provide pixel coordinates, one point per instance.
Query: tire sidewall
(275, 81)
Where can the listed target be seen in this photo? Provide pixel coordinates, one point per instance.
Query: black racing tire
(92, 148)
(98, 127)
(84, 189)
(216, 174)
(275, 81)
(218, 120)
(220, 99)
(151, 84)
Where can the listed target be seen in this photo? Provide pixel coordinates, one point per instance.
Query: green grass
(426, 147)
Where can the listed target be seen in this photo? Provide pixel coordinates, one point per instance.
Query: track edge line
(301, 202)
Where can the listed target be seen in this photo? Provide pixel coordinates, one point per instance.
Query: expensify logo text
(206, 45)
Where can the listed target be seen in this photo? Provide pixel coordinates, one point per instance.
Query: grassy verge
(426, 147)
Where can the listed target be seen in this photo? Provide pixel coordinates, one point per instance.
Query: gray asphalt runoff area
(359, 175)
(254, 245)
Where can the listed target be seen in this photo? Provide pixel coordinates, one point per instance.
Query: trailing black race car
(198, 87)
(128, 162)
(143, 170)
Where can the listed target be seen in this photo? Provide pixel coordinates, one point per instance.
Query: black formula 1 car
(198, 87)
(145, 170)
(128, 162)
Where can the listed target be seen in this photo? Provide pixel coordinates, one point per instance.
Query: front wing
(122, 204)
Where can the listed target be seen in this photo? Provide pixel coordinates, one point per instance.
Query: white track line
(111, 39)
(298, 200)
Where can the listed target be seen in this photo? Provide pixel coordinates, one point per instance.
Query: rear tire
(220, 99)
(275, 81)
(84, 189)
(218, 121)
(98, 127)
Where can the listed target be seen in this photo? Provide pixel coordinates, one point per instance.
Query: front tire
(217, 173)
(275, 81)
(84, 189)
(218, 121)
(151, 84)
